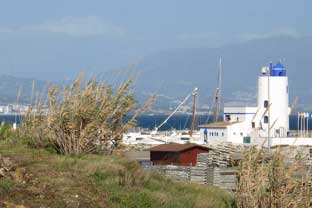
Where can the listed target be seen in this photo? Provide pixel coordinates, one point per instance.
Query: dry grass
(272, 183)
(82, 118)
(53, 180)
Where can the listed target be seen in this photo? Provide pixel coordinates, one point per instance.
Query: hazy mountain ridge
(10, 87)
(183, 69)
(174, 73)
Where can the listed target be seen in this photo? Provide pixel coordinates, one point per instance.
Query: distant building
(253, 125)
(176, 154)
(227, 131)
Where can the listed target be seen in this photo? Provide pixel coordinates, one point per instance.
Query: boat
(161, 137)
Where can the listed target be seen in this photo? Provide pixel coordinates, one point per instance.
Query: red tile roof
(218, 124)
(175, 147)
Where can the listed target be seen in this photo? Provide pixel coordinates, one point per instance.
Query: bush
(272, 183)
(6, 185)
(83, 118)
(6, 131)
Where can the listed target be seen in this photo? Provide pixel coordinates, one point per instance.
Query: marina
(264, 124)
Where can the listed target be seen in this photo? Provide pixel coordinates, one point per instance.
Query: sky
(55, 39)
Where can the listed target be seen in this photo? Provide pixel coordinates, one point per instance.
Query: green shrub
(5, 131)
(6, 185)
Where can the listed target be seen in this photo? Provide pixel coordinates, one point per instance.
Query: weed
(6, 185)
(82, 118)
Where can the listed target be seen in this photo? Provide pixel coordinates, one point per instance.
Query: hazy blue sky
(48, 39)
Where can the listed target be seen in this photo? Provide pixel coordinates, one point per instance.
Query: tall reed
(84, 117)
(273, 182)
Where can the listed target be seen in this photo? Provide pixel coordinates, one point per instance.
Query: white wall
(234, 133)
(214, 134)
(242, 114)
(279, 104)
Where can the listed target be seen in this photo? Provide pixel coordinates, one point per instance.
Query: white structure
(273, 98)
(254, 125)
(227, 131)
(239, 114)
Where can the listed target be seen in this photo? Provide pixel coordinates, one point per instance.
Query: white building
(227, 131)
(253, 125)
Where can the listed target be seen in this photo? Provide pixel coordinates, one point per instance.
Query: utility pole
(269, 111)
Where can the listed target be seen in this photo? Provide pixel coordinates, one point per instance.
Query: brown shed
(176, 154)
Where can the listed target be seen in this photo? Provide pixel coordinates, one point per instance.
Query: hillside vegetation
(66, 154)
(41, 178)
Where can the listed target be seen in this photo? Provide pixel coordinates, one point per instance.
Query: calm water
(184, 121)
(10, 118)
(150, 121)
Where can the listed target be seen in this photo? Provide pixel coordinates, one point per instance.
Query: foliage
(5, 131)
(83, 118)
(6, 185)
(272, 183)
(99, 181)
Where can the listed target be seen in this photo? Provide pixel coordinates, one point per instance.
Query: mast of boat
(195, 93)
(217, 94)
(166, 120)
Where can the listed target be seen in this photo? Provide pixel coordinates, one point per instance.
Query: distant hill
(174, 73)
(10, 85)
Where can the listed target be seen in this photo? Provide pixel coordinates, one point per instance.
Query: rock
(2, 172)
(6, 167)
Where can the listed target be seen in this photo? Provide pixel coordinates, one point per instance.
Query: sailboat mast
(195, 93)
(217, 94)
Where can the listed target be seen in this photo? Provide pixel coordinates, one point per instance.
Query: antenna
(217, 93)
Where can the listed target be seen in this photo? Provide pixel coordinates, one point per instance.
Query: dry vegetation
(39, 178)
(273, 183)
(89, 117)
(82, 118)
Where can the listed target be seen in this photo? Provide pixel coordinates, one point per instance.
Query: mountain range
(172, 74)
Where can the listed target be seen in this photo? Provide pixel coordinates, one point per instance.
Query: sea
(178, 122)
(182, 122)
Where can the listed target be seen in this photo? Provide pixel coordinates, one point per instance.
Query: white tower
(273, 101)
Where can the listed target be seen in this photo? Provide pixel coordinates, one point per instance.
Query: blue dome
(278, 66)
(278, 70)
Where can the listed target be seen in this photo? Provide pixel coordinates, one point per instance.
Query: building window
(266, 103)
(234, 133)
(266, 119)
(222, 134)
(310, 153)
(241, 133)
(228, 117)
(253, 125)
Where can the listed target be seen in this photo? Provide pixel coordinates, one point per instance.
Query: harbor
(211, 153)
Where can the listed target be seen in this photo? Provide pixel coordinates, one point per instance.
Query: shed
(176, 154)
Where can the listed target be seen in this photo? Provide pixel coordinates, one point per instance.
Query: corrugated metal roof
(219, 124)
(175, 147)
